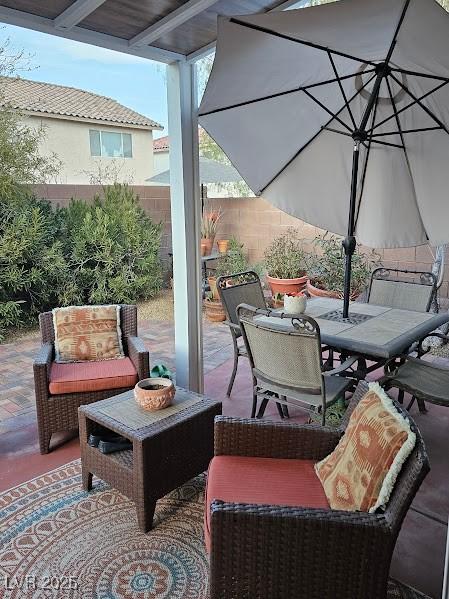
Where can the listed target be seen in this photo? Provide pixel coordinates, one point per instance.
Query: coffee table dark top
(383, 332)
(123, 415)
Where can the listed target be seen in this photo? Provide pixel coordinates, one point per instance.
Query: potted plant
(213, 308)
(209, 226)
(327, 269)
(285, 261)
(295, 303)
(232, 262)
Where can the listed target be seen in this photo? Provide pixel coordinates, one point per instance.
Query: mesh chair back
(407, 290)
(241, 288)
(289, 358)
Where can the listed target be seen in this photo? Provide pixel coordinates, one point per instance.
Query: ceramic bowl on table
(154, 393)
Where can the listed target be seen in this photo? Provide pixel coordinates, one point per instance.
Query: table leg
(145, 514)
(86, 479)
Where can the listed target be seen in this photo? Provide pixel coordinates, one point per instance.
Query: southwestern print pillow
(360, 473)
(87, 333)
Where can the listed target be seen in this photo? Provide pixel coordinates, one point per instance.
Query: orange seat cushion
(92, 376)
(265, 481)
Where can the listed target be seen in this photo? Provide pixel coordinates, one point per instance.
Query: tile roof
(51, 99)
(162, 144)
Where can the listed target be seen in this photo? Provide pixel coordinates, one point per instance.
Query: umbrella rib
(365, 168)
(409, 105)
(279, 94)
(423, 106)
(343, 93)
(386, 143)
(314, 137)
(324, 107)
(298, 41)
(417, 74)
(404, 131)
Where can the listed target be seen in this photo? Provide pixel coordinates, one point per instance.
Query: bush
(106, 252)
(112, 249)
(32, 264)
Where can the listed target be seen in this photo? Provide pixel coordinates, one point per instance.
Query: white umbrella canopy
(292, 94)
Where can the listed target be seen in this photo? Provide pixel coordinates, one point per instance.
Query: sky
(136, 82)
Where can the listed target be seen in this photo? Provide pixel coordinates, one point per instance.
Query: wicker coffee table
(169, 446)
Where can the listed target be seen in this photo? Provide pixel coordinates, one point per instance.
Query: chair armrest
(41, 368)
(139, 356)
(325, 553)
(256, 438)
(233, 326)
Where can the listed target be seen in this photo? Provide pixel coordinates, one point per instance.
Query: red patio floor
(419, 555)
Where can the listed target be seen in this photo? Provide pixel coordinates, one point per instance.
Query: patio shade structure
(211, 171)
(355, 97)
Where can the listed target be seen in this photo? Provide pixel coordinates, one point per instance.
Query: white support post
(185, 219)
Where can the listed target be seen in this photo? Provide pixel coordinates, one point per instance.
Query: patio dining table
(375, 333)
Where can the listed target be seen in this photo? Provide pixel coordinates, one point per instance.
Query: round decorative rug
(58, 541)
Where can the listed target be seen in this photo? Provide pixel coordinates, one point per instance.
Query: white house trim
(170, 22)
(76, 13)
(79, 34)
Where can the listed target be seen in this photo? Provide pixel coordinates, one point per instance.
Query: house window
(110, 145)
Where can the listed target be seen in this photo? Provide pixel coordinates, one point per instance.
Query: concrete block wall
(253, 221)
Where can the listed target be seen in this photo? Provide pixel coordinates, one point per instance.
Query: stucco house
(96, 139)
(161, 149)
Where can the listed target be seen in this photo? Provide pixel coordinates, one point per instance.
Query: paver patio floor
(419, 554)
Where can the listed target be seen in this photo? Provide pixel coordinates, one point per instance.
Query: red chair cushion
(92, 376)
(265, 481)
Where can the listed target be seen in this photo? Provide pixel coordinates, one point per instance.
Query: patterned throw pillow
(359, 475)
(87, 333)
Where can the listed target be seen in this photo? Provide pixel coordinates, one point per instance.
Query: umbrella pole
(349, 242)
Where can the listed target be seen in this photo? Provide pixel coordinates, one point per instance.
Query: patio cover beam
(19, 18)
(76, 13)
(174, 19)
(185, 219)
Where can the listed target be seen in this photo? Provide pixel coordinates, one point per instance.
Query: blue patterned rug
(57, 541)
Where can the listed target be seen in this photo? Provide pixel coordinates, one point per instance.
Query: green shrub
(285, 257)
(32, 264)
(112, 248)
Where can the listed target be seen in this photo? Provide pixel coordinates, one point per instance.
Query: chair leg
(263, 405)
(254, 408)
(411, 403)
(421, 405)
(280, 409)
(401, 396)
(234, 369)
(285, 408)
(44, 443)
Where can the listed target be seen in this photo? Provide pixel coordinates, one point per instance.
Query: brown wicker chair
(240, 288)
(60, 412)
(277, 552)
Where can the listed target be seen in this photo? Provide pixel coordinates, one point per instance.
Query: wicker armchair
(60, 412)
(240, 288)
(405, 289)
(287, 364)
(277, 552)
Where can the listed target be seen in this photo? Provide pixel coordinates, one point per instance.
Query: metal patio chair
(422, 379)
(239, 288)
(267, 551)
(404, 289)
(286, 363)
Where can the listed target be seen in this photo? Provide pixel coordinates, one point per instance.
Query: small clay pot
(207, 244)
(223, 245)
(154, 393)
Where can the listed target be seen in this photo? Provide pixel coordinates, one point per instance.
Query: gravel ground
(157, 308)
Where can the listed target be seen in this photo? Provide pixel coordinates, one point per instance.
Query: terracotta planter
(207, 244)
(214, 311)
(213, 287)
(287, 285)
(154, 393)
(223, 245)
(317, 292)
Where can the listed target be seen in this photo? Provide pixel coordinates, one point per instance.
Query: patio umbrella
(338, 114)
